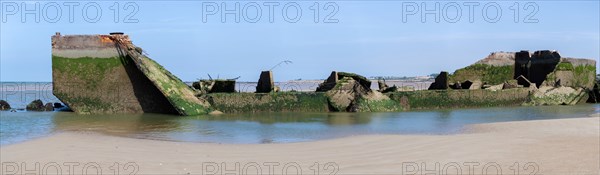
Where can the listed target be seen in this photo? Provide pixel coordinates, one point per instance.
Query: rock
(344, 93)
(49, 107)
(58, 105)
(215, 112)
(350, 96)
(363, 81)
(332, 80)
(36, 105)
(265, 83)
(4, 106)
(441, 82)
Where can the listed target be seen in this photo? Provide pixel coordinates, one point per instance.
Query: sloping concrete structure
(108, 74)
(98, 74)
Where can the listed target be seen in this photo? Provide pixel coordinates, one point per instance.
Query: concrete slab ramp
(107, 74)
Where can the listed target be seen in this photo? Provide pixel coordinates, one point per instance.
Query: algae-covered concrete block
(214, 86)
(96, 74)
(350, 96)
(461, 98)
(363, 81)
(269, 102)
(548, 95)
(332, 80)
(344, 94)
(493, 69)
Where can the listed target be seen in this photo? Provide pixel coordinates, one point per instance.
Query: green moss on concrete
(86, 69)
(179, 94)
(87, 105)
(399, 101)
(384, 105)
(483, 72)
(440, 99)
(91, 73)
(343, 81)
(564, 66)
(551, 77)
(559, 99)
(559, 96)
(268, 102)
(359, 78)
(584, 76)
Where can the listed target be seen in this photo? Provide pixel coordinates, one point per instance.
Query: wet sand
(560, 146)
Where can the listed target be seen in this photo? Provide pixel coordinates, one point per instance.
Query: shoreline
(556, 146)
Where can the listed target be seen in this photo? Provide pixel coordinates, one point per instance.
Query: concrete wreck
(109, 74)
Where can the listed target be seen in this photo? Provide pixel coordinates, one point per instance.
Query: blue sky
(369, 37)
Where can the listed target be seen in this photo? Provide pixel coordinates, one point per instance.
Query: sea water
(21, 126)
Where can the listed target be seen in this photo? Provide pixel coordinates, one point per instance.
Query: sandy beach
(560, 146)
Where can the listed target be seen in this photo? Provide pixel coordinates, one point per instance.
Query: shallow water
(271, 127)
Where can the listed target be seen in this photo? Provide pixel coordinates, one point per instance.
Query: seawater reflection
(272, 127)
